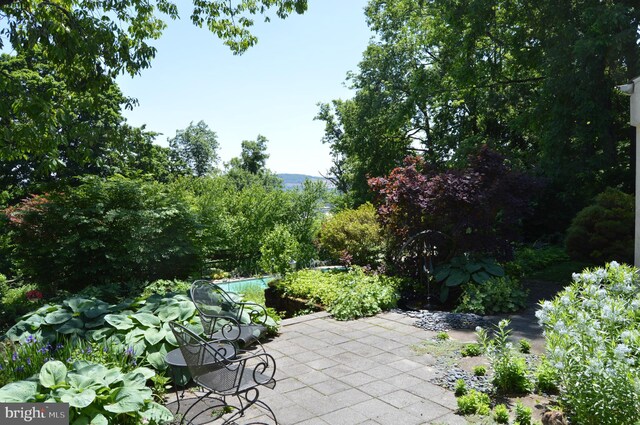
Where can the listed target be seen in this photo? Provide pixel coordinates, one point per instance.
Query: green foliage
(461, 388)
(479, 370)
(524, 346)
(448, 76)
(474, 402)
(194, 150)
(140, 326)
(496, 295)
(509, 368)
(353, 234)
(95, 393)
(465, 269)
(104, 231)
(14, 301)
(471, 350)
(442, 336)
(522, 414)
(278, 251)
(21, 361)
(528, 260)
(603, 231)
(546, 377)
(501, 414)
(591, 331)
(345, 295)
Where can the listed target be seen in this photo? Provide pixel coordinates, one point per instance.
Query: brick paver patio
(354, 372)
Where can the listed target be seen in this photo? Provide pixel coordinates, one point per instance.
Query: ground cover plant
(592, 333)
(96, 394)
(346, 295)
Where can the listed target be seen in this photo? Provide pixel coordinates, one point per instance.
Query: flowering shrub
(592, 332)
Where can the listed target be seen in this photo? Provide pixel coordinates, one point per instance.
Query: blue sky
(271, 90)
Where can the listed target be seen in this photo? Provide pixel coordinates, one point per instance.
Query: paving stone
(306, 356)
(400, 398)
(349, 397)
(399, 417)
(339, 370)
(346, 416)
(293, 415)
(450, 419)
(331, 386)
(313, 377)
(426, 410)
(289, 384)
(322, 363)
(378, 388)
(357, 379)
(374, 408)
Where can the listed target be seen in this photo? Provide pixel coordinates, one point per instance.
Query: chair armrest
(257, 313)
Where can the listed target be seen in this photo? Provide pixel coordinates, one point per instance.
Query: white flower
(560, 327)
(614, 264)
(626, 334)
(559, 365)
(621, 351)
(576, 276)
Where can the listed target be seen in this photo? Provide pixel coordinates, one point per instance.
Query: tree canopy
(533, 80)
(195, 149)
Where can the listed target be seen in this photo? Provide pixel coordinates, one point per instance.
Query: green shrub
(524, 346)
(523, 414)
(105, 231)
(509, 368)
(354, 234)
(546, 377)
(496, 295)
(603, 231)
(529, 260)
(471, 350)
(591, 331)
(465, 269)
(14, 300)
(345, 295)
(442, 336)
(461, 388)
(95, 393)
(501, 414)
(279, 251)
(479, 370)
(474, 402)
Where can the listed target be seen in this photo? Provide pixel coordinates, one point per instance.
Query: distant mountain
(292, 181)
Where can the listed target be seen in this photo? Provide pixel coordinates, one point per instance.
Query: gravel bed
(445, 321)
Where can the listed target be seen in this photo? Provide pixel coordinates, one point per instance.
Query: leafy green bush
(353, 234)
(603, 231)
(546, 377)
(523, 414)
(592, 331)
(474, 402)
(96, 394)
(465, 269)
(141, 326)
(105, 231)
(501, 414)
(461, 388)
(14, 300)
(278, 251)
(346, 295)
(529, 260)
(524, 346)
(471, 350)
(21, 361)
(496, 295)
(479, 370)
(509, 368)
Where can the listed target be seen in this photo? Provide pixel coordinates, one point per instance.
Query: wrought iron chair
(225, 318)
(219, 375)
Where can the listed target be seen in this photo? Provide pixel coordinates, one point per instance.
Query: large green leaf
(494, 269)
(53, 373)
(154, 336)
(473, 267)
(19, 392)
(156, 413)
(57, 317)
(442, 273)
(444, 293)
(147, 319)
(457, 277)
(187, 310)
(169, 312)
(480, 277)
(157, 360)
(78, 304)
(99, 334)
(79, 398)
(119, 321)
(73, 326)
(127, 400)
(97, 310)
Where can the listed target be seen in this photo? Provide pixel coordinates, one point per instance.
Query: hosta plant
(592, 332)
(464, 269)
(140, 326)
(96, 394)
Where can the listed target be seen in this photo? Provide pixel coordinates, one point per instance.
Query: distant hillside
(292, 181)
